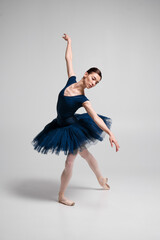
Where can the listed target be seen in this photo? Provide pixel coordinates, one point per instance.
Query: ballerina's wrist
(69, 40)
(109, 133)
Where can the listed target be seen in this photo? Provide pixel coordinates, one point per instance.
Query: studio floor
(129, 210)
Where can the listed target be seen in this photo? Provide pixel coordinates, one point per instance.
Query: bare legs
(65, 177)
(67, 174)
(94, 166)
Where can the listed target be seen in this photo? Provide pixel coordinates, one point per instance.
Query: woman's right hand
(112, 139)
(66, 37)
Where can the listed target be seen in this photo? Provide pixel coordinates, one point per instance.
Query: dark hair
(96, 70)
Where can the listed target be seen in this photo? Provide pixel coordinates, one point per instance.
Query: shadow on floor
(40, 189)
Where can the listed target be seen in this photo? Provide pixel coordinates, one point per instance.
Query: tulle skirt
(70, 135)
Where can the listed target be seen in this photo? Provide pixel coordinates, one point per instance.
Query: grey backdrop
(122, 39)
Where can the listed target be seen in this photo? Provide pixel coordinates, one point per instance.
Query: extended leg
(95, 168)
(65, 177)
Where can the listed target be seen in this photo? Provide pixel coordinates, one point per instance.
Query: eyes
(93, 78)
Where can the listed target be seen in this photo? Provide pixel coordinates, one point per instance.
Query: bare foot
(63, 200)
(103, 182)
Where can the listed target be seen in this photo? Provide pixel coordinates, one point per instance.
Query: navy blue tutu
(70, 135)
(70, 132)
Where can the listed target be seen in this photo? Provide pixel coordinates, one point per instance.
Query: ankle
(61, 194)
(100, 178)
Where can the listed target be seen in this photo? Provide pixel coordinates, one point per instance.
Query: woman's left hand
(113, 140)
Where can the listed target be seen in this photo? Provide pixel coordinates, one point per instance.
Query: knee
(69, 163)
(84, 154)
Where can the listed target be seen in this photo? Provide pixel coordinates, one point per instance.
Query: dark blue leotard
(69, 132)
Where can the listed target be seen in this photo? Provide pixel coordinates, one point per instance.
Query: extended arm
(87, 105)
(68, 56)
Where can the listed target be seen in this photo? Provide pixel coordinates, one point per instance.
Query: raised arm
(68, 56)
(88, 107)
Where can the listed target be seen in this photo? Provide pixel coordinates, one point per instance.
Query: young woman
(71, 132)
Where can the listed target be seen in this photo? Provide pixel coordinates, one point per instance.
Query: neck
(80, 85)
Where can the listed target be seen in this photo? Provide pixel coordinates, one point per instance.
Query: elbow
(68, 58)
(95, 118)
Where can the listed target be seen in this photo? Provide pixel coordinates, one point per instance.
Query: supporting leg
(95, 168)
(65, 177)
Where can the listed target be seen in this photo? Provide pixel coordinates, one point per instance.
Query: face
(91, 79)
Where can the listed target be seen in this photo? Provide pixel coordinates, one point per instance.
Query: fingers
(113, 140)
(117, 145)
(64, 36)
(111, 143)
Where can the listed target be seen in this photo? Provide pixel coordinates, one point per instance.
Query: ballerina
(71, 132)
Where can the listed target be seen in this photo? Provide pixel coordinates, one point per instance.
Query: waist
(66, 121)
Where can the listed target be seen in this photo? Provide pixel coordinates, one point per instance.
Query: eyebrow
(96, 79)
